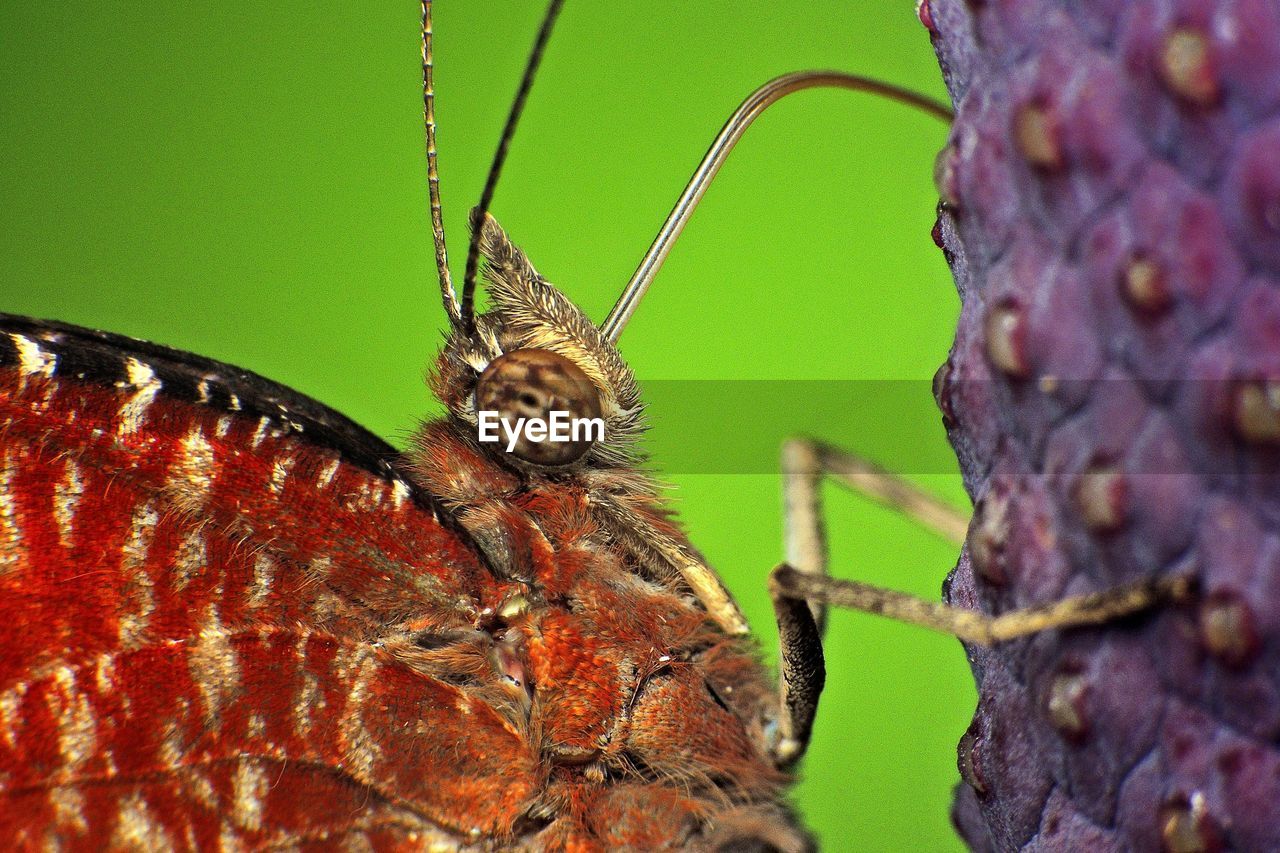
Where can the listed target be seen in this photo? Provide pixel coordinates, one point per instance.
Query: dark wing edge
(107, 359)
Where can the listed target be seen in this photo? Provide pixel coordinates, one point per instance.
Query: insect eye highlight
(538, 406)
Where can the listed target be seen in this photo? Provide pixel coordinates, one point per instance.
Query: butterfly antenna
(495, 169)
(750, 109)
(447, 293)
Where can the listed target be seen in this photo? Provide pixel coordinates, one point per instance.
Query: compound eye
(538, 406)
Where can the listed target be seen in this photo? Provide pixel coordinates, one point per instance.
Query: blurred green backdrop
(246, 180)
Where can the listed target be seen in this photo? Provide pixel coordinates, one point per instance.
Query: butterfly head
(533, 378)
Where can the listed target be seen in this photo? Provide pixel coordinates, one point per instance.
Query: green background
(247, 181)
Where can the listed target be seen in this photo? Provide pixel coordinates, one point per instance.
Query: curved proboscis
(750, 109)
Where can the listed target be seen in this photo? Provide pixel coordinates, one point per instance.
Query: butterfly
(757, 560)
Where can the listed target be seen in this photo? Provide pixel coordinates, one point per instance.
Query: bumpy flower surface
(1111, 211)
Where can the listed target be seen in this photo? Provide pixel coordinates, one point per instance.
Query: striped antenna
(447, 293)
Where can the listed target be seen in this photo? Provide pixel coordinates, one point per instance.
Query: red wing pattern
(210, 590)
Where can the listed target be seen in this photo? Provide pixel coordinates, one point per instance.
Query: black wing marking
(103, 358)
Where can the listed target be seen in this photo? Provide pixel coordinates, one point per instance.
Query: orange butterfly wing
(206, 582)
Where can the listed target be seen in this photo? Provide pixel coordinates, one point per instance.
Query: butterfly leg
(801, 619)
(802, 589)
